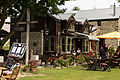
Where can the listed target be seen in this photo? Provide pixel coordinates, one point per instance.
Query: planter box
(35, 57)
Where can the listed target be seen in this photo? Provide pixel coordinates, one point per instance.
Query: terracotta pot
(27, 69)
(33, 69)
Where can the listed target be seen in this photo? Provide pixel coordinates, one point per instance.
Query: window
(71, 27)
(52, 43)
(85, 45)
(49, 44)
(68, 45)
(99, 23)
(63, 44)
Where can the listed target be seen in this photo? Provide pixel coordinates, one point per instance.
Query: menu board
(17, 50)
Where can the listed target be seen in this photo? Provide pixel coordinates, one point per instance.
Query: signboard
(17, 50)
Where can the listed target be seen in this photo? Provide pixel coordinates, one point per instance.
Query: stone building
(60, 31)
(105, 20)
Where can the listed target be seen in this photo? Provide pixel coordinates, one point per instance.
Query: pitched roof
(66, 16)
(93, 14)
(63, 16)
(98, 14)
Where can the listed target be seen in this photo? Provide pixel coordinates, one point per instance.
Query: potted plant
(27, 68)
(35, 55)
(33, 68)
(33, 65)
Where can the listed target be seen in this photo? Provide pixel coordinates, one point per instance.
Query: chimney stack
(114, 9)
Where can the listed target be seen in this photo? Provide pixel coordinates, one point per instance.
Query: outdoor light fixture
(46, 32)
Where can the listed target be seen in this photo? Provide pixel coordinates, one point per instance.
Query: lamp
(46, 32)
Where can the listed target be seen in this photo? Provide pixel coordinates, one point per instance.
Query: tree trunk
(6, 38)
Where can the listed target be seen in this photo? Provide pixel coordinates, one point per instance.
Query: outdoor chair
(14, 74)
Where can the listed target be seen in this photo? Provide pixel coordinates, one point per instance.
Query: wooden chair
(14, 74)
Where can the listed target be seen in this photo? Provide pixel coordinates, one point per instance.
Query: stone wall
(34, 37)
(106, 27)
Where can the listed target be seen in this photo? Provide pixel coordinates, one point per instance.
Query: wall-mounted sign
(17, 50)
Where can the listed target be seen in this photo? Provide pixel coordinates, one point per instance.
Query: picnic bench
(95, 63)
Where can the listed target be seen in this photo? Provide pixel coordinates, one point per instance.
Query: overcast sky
(89, 4)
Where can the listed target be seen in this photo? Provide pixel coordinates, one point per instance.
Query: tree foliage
(76, 8)
(17, 9)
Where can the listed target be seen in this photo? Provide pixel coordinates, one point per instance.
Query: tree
(17, 9)
(76, 8)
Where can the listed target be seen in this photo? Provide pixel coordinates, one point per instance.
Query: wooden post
(28, 22)
(27, 36)
(42, 40)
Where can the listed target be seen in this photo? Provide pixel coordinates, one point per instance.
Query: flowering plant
(91, 53)
(79, 59)
(33, 64)
(54, 59)
(27, 66)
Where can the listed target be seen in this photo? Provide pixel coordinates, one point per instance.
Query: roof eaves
(103, 19)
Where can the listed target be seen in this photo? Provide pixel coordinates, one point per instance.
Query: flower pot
(33, 69)
(27, 69)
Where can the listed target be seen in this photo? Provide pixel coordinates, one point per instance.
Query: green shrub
(26, 66)
(111, 51)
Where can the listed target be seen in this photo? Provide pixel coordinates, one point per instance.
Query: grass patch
(6, 46)
(74, 73)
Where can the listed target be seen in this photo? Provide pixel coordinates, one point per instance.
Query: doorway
(78, 44)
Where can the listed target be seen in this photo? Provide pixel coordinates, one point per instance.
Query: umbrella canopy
(112, 35)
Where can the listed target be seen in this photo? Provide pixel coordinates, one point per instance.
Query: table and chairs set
(99, 63)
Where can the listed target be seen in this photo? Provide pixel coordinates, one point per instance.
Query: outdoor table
(97, 62)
